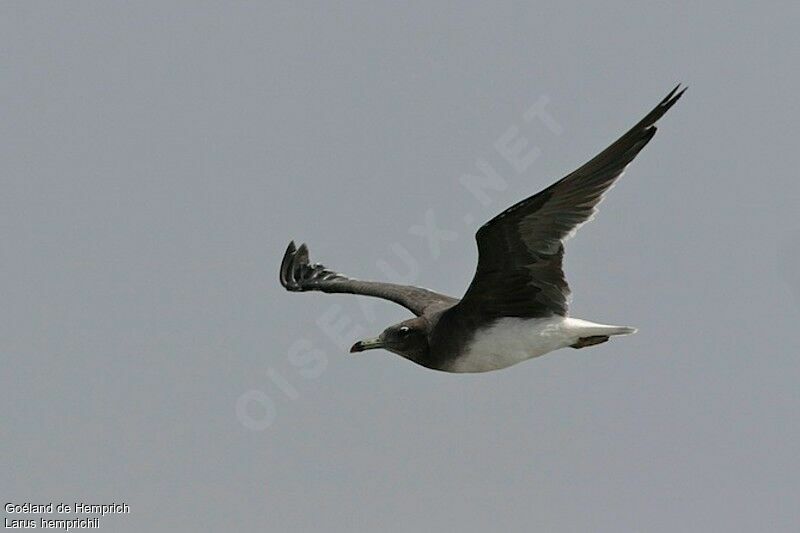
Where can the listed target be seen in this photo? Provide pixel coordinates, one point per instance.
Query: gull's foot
(583, 342)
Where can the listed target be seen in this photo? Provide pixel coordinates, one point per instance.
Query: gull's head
(408, 338)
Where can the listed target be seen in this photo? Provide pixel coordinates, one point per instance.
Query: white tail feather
(584, 328)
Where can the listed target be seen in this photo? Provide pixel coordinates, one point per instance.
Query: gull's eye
(404, 330)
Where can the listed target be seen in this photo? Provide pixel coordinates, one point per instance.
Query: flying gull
(516, 306)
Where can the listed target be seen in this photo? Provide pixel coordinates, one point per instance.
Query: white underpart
(509, 341)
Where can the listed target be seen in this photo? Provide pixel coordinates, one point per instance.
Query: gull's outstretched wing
(520, 250)
(297, 274)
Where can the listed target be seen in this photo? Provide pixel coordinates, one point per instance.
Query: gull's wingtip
(288, 263)
(673, 96)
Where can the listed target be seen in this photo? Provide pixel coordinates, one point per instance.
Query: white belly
(508, 340)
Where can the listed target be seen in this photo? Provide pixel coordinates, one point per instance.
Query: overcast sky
(157, 157)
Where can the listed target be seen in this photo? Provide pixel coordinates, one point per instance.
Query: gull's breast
(509, 340)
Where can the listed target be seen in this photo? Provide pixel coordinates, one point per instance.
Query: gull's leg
(583, 342)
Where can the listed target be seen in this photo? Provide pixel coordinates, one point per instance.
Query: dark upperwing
(519, 271)
(297, 274)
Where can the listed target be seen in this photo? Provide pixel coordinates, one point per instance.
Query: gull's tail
(588, 333)
(584, 328)
(621, 330)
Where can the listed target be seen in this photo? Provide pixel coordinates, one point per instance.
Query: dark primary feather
(298, 274)
(520, 251)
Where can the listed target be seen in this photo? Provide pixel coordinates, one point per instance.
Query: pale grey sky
(156, 158)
